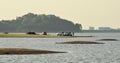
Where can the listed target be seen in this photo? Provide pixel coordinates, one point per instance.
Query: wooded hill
(38, 23)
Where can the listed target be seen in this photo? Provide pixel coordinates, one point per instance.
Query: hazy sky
(87, 12)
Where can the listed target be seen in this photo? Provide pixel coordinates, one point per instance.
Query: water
(77, 53)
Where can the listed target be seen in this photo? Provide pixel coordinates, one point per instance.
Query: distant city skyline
(96, 13)
(102, 28)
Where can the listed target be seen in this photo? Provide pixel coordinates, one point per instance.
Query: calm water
(79, 53)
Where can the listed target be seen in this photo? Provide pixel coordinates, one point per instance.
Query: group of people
(65, 34)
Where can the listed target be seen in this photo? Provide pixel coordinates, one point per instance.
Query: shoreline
(36, 36)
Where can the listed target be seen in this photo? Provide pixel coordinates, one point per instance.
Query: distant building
(91, 28)
(104, 28)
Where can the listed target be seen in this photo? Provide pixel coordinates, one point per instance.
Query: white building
(104, 28)
(91, 28)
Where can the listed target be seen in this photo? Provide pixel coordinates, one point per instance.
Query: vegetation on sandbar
(79, 42)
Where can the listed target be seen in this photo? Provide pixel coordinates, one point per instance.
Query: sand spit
(20, 51)
(107, 40)
(83, 36)
(79, 42)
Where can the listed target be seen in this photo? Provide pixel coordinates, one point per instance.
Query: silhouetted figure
(44, 33)
(32, 33)
(72, 33)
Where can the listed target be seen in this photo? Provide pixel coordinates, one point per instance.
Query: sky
(96, 13)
